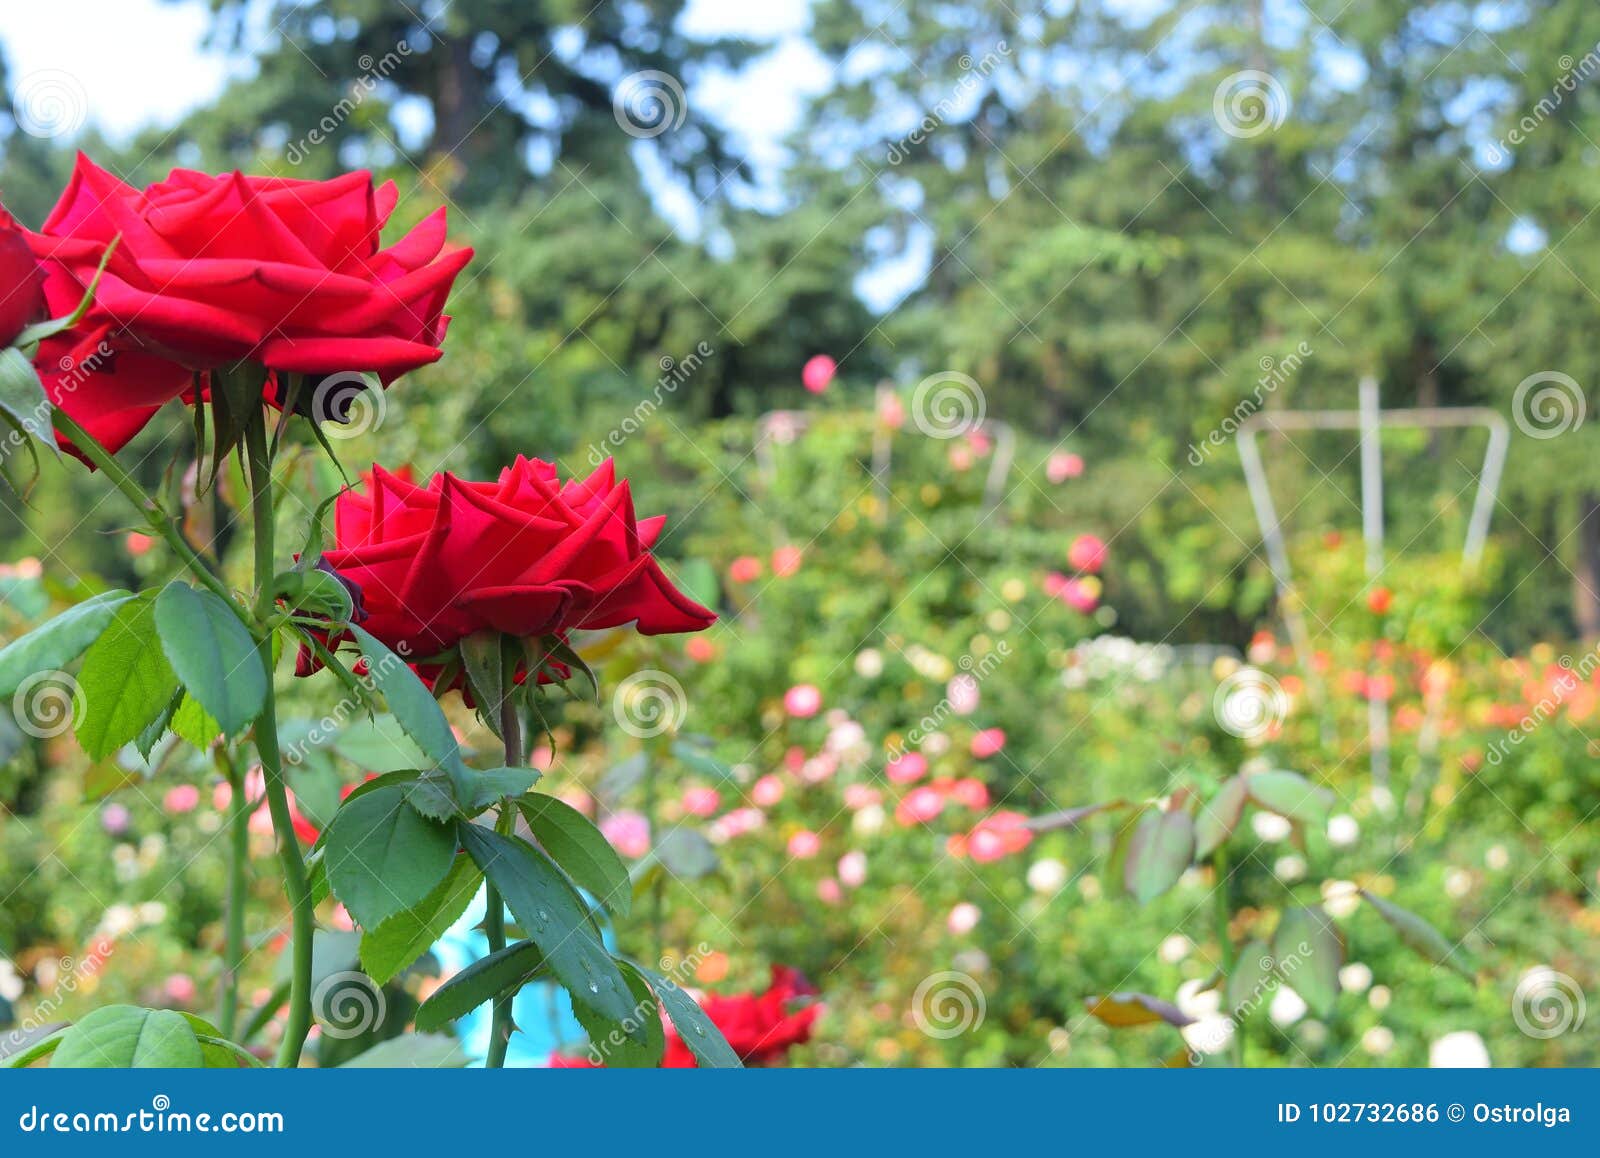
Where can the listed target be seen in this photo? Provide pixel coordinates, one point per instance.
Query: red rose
(21, 282)
(215, 270)
(526, 555)
(106, 382)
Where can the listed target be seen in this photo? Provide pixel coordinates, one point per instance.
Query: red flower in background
(525, 554)
(761, 1027)
(212, 270)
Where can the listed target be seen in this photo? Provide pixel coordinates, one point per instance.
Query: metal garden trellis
(1369, 420)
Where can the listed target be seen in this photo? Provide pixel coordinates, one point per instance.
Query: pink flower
(745, 569)
(997, 836)
(700, 649)
(1087, 553)
(180, 989)
(988, 742)
(853, 868)
(701, 801)
(794, 758)
(891, 411)
(818, 372)
(970, 793)
(767, 791)
(181, 798)
(737, 823)
(1062, 466)
(628, 832)
(963, 918)
(859, 796)
(1082, 595)
(828, 891)
(906, 768)
(961, 457)
(1055, 584)
(819, 768)
(919, 806)
(138, 543)
(786, 561)
(962, 692)
(803, 701)
(804, 844)
(114, 818)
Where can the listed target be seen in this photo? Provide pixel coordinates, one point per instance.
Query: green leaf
(481, 655)
(22, 397)
(383, 856)
(54, 644)
(686, 853)
(404, 937)
(419, 1051)
(123, 1037)
(1219, 817)
(492, 785)
(698, 1031)
(579, 848)
(1116, 870)
(194, 724)
(483, 980)
(125, 678)
(1159, 852)
(1419, 936)
(322, 594)
(618, 1045)
(1290, 795)
(433, 795)
(412, 703)
(145, 742)
(379, 745)
(213, 655)
(1247, 984)
(1309, 953)
(553, 917)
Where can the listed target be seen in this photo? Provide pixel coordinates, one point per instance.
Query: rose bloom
(22, 301)
(853, 869)
(701, 801)
(213, 270)
(906, 768)
(181, 798)
(1061, 466)
(628, 832)
(525, 554)
(963, 918)
(804, 844)
(737, 823)
(988, 743)
(745, 569)
(700, 649)
(818, 372)
(802, 701)
(786, 561)
(994, 837)
(969, 792)
(829, 892)
(1087, 553)
(859, 796)
(919, 806)
(767, 791)
(1082, 595)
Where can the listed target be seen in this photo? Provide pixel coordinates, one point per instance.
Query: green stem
(296, 884)
(146, 504)
(1230, 955)
(238, 859)
(494, 925)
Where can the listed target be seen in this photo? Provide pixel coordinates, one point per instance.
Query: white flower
(869, 663)
(1196, 1001)
(1287, 1007)
(1379, 997)
(1458, 883)
(1289, 868)
(1209, 1034)
(1269, 826)
(1047, 876)
(1355, 977)
(869, 821)
(1461, 1050)
(1497, 857)
(963, 918)
(1175, 948)
(1340, 898)
(1378, 1040)
(1343, 830)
